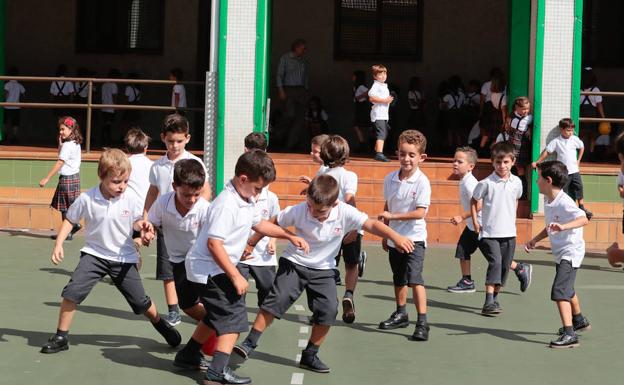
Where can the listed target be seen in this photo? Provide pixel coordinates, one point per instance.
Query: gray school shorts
(187, 293)
(382, 128)
(351, 251)
(468, 243)
(164, 267)
(125, 276)
(291, 280)
(225, 309)
(499, 254)
(263, 275)
(407, 267)
(563, 284)
(574, 186)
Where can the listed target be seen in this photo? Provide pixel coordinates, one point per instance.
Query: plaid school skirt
(67, 191)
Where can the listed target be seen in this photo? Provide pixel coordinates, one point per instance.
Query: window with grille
(119, 26)
(370, 29)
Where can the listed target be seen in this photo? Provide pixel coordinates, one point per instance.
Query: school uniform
(180, 233)
(61, 92)
(14, 91)
(181, 91)
(568, 247)
(379, 111)
(589, 109)
(469, 239)
(521, 137)
(312, 272)
(261, 264)
(417, 116)
(161, 177)
(491, 118)
(68, 188)
(133, 94)
(403, 196)
(497, 240)
(230, 220)
(566, 153)
(452, 113)
(109, 248)
(139, 183)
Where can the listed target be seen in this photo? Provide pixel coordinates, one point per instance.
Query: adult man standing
(292, 88)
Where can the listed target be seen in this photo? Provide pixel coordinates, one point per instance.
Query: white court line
(302, 318)
(303, 343)
(304, 329)
(299, 308)
(296, 379)
(297, 358)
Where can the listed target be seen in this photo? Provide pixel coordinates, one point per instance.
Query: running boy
(110, 217)
(565, 146)
(564, 228)
(175, 135)
(499, 194)
(211, 265)
(322, 221)
(379, 96)
(407, 192)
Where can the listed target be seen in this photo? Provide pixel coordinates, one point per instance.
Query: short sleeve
(274, 207)
(128, 91)
(500, 138)
(155, 213)
(177, 88)
(518, 184)
(152, 176)
(66, 151)
(351, 183)
(219, 223)
(423, 194)
(620, 179)
(354, 218)
(77, 209)
(578, 142)
(485, 88)
(7, 86)
(374, 91)
(22, 89)
(287, 217)
(550, 148)
(386, 187)
(480, 191)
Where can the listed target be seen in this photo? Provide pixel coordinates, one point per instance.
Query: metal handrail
(90, 105)
(598, 120)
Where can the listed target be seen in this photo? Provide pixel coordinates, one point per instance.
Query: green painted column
(263, 28)
(537, 103)
(220, 148)
(577, 62)
(2, 56)
(519, 48)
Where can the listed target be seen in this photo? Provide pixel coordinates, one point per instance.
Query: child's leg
(464, 265)
(164, 272)
(264, 277)
(565, 312)
(187, 293)
(420, 298)
(491, 249)
(351, 255)
(379, 145)
(66, 315)
(466, 246)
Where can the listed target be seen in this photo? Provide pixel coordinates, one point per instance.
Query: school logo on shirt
(265, 213)
(414, 195)
(125, 213)
(337, 230)
(556, 218)
(194, 224)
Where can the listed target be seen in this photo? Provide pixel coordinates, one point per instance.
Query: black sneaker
(172, 336)
(524, 272)
(421, 333)
(463, 286)
(362, 264)
(490, 309)
(396, 320)
(348, 310)
(244, 349)
(498, 307)
(55, 344)
(380, 157)
(565, 341)
(583, 326)
(227, 377)
(193, 361)
(313, 363)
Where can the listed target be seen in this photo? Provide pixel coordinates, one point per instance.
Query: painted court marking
(297, 358)
(299, 308)
(303, 343)
(304, 329)
(296, 379)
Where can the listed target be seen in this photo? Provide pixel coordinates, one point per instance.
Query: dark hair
(503, 149)
(360, 78)
(335, 151)
(588, 78)
(498, 80)
(414, 137)
(256, 164)
(136, 141)
(455, 84)
(323, 190)
(566, 123)
(296, 43)
(177, 73)
(189, 172)
(73, 125)
(175, 123)
(555, 170)
(13, 71)
(256, 140)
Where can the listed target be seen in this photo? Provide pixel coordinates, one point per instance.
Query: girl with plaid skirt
(68, 168)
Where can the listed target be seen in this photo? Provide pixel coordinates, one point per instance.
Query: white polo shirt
(566, 245)
(181, 91)
(230, 219)
(379, 111)
(467, 185)
(324, 238)
(108, 91)
(14, 91)
(620, 178)
(70, 155)
(180, 232)
(133, 94)
(566, 151)
(161, 173)
(61, 87)
(407, 195)
(499, 205)
(322, 170)
(139, 182)
(109, 224)
(267, 205)
(347, 180)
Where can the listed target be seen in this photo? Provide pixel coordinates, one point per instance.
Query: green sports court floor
(110, 345)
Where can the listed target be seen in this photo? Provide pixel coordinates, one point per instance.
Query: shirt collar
(556, 199)
(232, 190)
(166, 160)
(498, 179)
(100, 197)
(332, 217)
(380, 83)
(468, 174)
(411, 179)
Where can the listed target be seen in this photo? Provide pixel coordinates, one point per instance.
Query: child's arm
(55, 169)
(375, 99)
(419, 213)
(580, 155)
(580, 221)
(475, 207)
(57, 252)
(621, 190)
(150, 198)
(541, 158)
(457, 219)
(531, 244)
(146, 229)
(270, 229)
(376, 227)
(223, 261)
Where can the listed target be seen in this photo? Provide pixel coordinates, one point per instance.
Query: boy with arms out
(211, 264)
(407, 192)
(321, 221)
(110, 217)
(564, 228)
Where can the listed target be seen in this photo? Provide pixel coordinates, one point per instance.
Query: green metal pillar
(263, 29)
(220, 148)
(537, 109)
(519, 48)
(577, 62)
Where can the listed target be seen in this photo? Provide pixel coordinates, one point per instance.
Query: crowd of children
(207, 250)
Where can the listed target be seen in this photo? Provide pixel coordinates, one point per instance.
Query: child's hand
(385, 216)
(57, 254)
(350, 237)
(530, 245)
(477, 228)
(272, 248)
(43, 182)
(300, 243)
(534, 165)
(457, 219)
(555, 227)
(403, 244)
(240, 284)
(390, 99)
(384, 244)
(305, 179)
(247, 252)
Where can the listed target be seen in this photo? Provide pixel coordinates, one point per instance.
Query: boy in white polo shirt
(379, 96)
(211, 264)
(564, 228)
(110, 217)
(13, 91)
(136, 142)
(566, 146)
(322, 221)
(407, 192)
(499, 194)
(175, 135)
